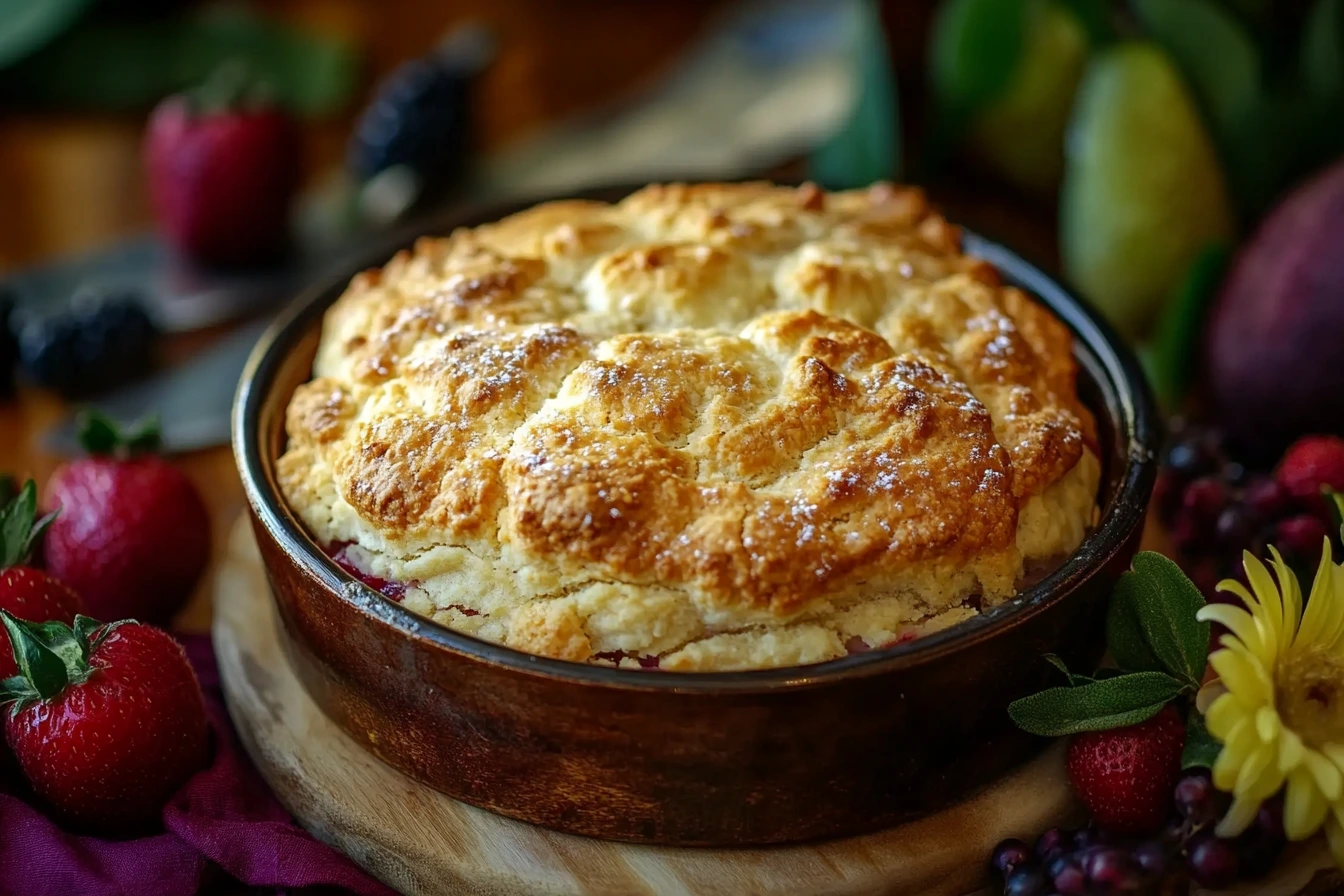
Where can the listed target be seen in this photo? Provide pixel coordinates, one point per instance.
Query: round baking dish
(711, 759)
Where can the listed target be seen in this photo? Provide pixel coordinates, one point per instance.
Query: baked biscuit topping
(708, 427)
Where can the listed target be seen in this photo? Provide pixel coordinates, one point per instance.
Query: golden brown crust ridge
(705, 411)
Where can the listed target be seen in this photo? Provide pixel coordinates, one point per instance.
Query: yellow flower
(1279, 705)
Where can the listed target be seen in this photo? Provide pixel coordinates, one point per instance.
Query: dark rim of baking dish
(1123, 393)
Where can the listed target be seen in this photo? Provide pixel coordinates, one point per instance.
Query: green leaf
(9, 489)
(1074, 680)
(1322, 55)
(42, 667)
(975, 47)
(18, 532)
(17, 693)
(101, 435)
(1097, 706)
(1165, 602)
(1215, 53)
(1200, 748)
(1170, 358)
(867, 147)
(1124, 635)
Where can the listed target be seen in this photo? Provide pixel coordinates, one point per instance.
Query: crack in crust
(725, 425)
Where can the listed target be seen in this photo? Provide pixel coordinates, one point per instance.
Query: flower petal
(1243, 675)
(1265, 591)
(1305, 807)
(1291, 592)
(1322, 612)
(1222, 714)
(1249, 773)
(1291, 750)
(1327, 775)
(1238, 818)
(1267, 724)
(1334, 835)
(1335, 753)
(1210, 692)
(1241, 740)
(1236, 620)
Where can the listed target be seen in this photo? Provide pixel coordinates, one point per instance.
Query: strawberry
(107, 721)
(133, 535)
(1310, 465)
(223, 169)
(1125, 776)
(25, 591)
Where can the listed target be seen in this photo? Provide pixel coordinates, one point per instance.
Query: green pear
(1022, 133)
(1143, 189)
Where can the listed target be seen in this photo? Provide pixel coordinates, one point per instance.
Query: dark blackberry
(420, 116)
(103, 338)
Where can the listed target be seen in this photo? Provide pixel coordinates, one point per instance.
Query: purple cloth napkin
(223, 823)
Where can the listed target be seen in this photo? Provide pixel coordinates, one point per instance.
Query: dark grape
(1053, 842)
(1189, 459)
(1204, 499)
(1212, 861)
(1260, 846)
(1196, 798)
(1235, 474)
(1026, 882)
(1266, 499)
(1009, 855)
(1234, 527)
(1066, 873)
(1153, 857)
(1112, 870)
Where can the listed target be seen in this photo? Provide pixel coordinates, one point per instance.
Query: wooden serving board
(422, 842)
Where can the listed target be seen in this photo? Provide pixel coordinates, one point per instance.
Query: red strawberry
(27, 592)
(108, 720)
(1312, 463)
(1126, 776)
(133, 535)
(223, 168)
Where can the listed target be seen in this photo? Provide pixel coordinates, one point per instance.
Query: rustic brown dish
(715, 759)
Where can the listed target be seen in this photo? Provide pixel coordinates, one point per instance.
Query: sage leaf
(1096, 706)
(1165, 603)
(1074, 680)
(1124, 635)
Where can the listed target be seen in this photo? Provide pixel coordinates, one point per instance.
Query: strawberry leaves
(20, 528)
(100, 435)
(50, 656)
(1154, 638)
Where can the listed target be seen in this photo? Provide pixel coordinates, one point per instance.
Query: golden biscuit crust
(708, 427)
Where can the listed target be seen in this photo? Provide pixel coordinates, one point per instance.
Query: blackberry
(103, 338)
(420, 116)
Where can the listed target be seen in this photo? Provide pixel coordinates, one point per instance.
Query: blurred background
(171, 172)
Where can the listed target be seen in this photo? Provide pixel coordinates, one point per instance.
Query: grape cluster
(1214, 508)
(1092, 862)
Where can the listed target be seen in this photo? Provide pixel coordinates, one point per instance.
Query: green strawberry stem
(51, 656)
(20, 528)
(232, 85)
(100, 435)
